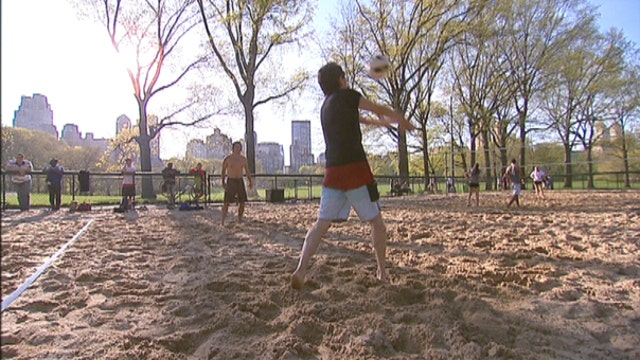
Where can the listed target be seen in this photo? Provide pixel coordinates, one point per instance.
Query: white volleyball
(378, 67)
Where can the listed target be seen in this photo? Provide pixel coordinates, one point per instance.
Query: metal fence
(105, 188)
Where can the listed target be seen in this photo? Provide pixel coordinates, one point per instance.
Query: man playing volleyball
(232, 182)
(348, 180)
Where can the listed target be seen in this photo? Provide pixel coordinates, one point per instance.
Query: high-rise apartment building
(300, 150)
(35, 113)
(271, 155)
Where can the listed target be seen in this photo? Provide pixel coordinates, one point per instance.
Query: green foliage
(384, 164)
(311, 170)
(121, 147)
(39, 148)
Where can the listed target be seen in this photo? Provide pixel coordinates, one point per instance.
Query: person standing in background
(21, 169)
(128, 184)
(234, 167)
(538, 177)
(514, 176)
(54, 173)
(199, 182)
(169, 176)
(473, 177)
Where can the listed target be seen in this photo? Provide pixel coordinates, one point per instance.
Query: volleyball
(378, 67)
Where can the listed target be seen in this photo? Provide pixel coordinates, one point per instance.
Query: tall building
(197, 149)
(272, 157)
(72, 136)
(300, 150)
(218, 145)
(322, 159)
(35, 113)
(122, 122)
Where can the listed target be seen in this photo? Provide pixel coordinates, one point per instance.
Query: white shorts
(516, 188)
(335, 204)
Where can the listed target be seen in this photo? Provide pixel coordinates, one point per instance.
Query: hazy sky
(47, 50)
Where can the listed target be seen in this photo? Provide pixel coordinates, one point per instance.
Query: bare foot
(297, 281)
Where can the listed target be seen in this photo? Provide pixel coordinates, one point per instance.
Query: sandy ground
(554, 279)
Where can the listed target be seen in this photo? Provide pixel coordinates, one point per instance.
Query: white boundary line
(14, 295)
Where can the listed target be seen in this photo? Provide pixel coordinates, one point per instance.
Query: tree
(152, 38)
(120, 148)
(244, 36)
(415, 36)
(533, 34)
(80, 158)
(625, 109)
(484, 88)
(36, 146)
(588, 63)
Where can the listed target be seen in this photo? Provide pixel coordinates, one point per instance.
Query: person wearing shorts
(128, 185)
(473, 176)
(513, 174)
(233, 167)
(348, 180)
(538, 176)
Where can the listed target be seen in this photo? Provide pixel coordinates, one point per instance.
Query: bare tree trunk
(625, 159)
(568, 183)
(425, 158)
(523, 139)
(403, 156)
(590, 182)
(250, 141)
(145, 166)
(487, 158)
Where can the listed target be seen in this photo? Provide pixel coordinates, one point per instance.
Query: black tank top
(340, 119)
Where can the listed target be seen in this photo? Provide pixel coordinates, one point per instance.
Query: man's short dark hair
(329, 78)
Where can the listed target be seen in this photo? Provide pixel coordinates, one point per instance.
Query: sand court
(553, 279)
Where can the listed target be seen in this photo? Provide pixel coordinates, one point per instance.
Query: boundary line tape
(14, 295)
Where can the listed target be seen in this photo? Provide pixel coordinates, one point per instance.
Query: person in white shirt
(128, 184)
(538, 176)
(21, 169)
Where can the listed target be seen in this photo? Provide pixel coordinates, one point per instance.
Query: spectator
(548, 182)
(169, 176)
(395, 187)
(405, 188)
(128, 185)
(199, 181)
(433, 186)
(451, 188)
(21, 169)
(54, 173)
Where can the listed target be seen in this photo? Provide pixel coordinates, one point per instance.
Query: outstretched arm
(371, 121)
(386, 114)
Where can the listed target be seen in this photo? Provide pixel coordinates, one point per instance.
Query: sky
(46, 49)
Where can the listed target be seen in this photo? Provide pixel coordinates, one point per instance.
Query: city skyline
(35, 114)
(75, 66)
